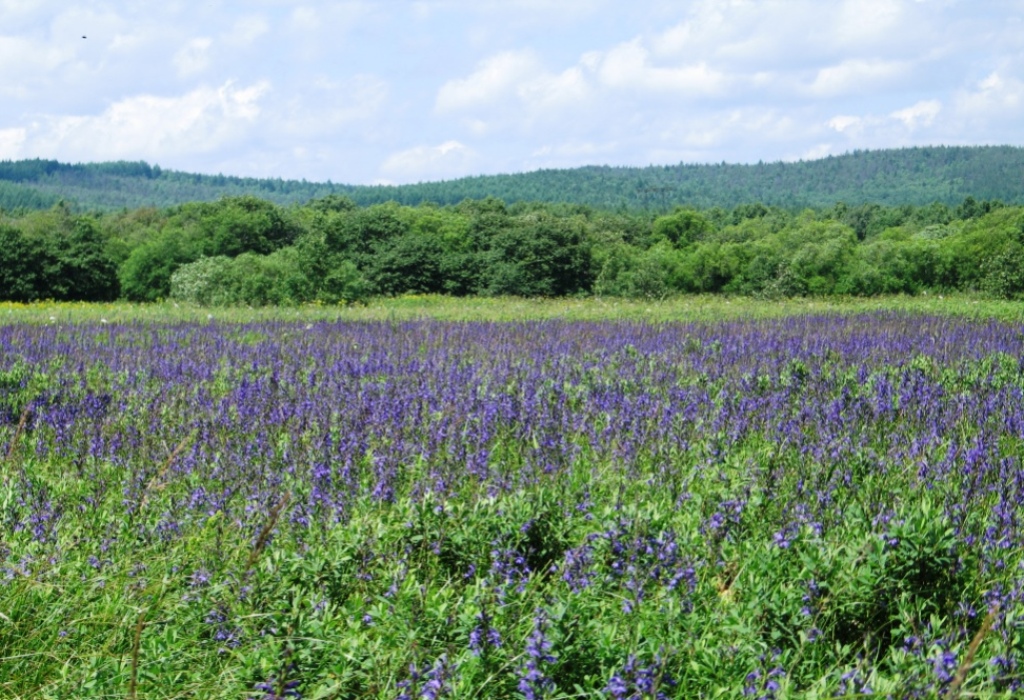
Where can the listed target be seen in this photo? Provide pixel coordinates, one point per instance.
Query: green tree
(682, 228)
(713, 267)
(146, 274)
(23, 265)
(206, 282)
(80, 268)
(333, 278)
(1003, 273)
(540, 256)
(410, 263)
(880, 267)
(236, 225)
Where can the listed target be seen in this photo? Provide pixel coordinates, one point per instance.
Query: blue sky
(404, 91)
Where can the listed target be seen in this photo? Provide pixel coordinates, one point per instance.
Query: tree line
(245, 250)
(889, 177)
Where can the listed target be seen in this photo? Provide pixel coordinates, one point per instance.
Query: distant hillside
(889, 177)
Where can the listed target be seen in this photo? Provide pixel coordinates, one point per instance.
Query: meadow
(435, 498)
(698, 308)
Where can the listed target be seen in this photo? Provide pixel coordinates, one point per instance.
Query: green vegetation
(248, 251)
(917, 176)
(814, 506)
(704, 308)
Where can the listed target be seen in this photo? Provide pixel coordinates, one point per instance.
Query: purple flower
(534, 683)
(432, 684)
(636, 681)
(199, 578)
(274, 690)
(484, 636)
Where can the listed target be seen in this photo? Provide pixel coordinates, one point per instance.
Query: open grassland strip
(703, 308)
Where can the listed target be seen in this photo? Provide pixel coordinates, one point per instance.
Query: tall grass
(405, 308)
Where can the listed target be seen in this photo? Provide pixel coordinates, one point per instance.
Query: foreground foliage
(810, 506)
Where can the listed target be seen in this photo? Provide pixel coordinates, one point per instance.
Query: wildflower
(484, 635)
(636, 682)
(274, 690)
(199, 579)
(534, 683)
(433, 684)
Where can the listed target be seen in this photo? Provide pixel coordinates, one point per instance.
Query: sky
(396, 91)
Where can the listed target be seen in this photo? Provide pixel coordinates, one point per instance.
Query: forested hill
(888, 177)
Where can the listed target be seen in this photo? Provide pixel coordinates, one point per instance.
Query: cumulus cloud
(918, 116)
(570, 153)
(741, 80)
(921, 114)
(866, 21)
(12, 142)
(439, 88)
(325, 106)
(500, 13)
(856, 76)
(23, 58)
(628, 66)
(815, 152)
(847, 124)
(151, 127)
(520, 76)
(551, 91)
(446, 159)
(494, 78)
(712, 129)
(995, 96)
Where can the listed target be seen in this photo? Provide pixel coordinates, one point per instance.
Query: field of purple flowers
(814, 506)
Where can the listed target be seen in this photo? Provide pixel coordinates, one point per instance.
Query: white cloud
(500, 84)
(856, 76)
(674, 40)
(521, 76)
(11, 143)
(911, 125)
(816, 152)
(865, 21)
(569, 153)
(127, 42)
(921, 114)
(846, 124)
(151, 127)
(21, 57)
(548, 91)
(247, 30)
(494, 78)
(326, 106)
(305, 18)
(747, 34)
(335, 17)
(713, 128)
(521, 12)
(11, 9)
(628, 66)
(995, 97)
(448, 159)
(193, 57)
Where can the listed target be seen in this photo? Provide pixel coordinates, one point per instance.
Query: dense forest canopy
(916, 176)
(247, 250)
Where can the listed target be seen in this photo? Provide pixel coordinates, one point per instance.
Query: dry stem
(972, 649)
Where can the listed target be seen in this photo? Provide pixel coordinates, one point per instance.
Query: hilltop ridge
(915, 176)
